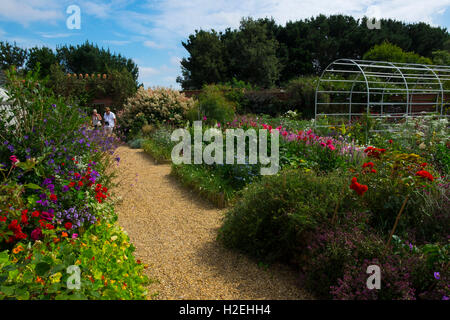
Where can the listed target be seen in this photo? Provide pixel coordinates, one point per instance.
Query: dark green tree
(45, 56)
(206, 61)
(89, 58)
(11, 55)
(253, 53)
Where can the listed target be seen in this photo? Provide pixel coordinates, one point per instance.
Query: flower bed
(58, 237)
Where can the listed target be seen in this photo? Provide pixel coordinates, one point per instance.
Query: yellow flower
(78, 262)
(55, 278)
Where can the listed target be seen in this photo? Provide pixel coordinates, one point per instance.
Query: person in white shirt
(109, 119)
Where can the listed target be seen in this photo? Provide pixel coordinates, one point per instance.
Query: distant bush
(213, 105)
(301, 93)
(264, 102)
(153, 106)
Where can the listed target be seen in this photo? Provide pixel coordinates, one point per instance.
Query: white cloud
(117, 42)
(28, 11)
(175, 61)
(152, 44)
(56, 35)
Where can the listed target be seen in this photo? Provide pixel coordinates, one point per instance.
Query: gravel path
(174, 232)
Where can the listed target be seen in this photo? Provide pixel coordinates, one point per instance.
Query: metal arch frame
(440, 85)
(436, 74)
(350, 104)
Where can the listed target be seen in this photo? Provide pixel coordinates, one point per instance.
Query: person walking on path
(109, 119)
(96, 119)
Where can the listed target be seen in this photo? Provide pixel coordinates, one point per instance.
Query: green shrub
(271, 216)
(301, 92)
(136, 143)
(264, 102)
(205, 182)
(213, 105)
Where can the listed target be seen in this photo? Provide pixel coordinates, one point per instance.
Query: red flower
(80, 183)
(49, 226)
(24, 211)
(2, 219)
(24, 219)
(425, 174)
(35, 214)
(53, 197)
(390, 141)
(68, 225)
(374, 152)
(373, 171)
(424, 164)
(368, 164)
(71, 184)
(359, 188)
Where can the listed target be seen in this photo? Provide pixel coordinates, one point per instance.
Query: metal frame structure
(351, 88)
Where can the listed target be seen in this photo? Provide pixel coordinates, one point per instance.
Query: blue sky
(150, 32)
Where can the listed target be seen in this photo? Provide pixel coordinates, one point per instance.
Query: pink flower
(75, 235)
(13, 159)
(204, 118)
(331, 147)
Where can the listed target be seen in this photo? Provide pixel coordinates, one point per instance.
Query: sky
(150, 32)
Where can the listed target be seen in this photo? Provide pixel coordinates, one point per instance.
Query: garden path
(174, 232)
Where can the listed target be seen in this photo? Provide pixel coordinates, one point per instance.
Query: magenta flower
(204, 118)
(36, 234)
(13, 159)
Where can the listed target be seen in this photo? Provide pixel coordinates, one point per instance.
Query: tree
(254, 53)
(392, 53)
(45, 56)
(89, 58)
(11, 55)
(264, 53)
(441, 57)
(206, 61)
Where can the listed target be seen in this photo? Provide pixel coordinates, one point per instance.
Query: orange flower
(64, 234)
(39, 280)
(17, 249)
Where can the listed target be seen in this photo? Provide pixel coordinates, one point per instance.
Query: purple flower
(445, 298)
(437, 275)
(65, 188)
